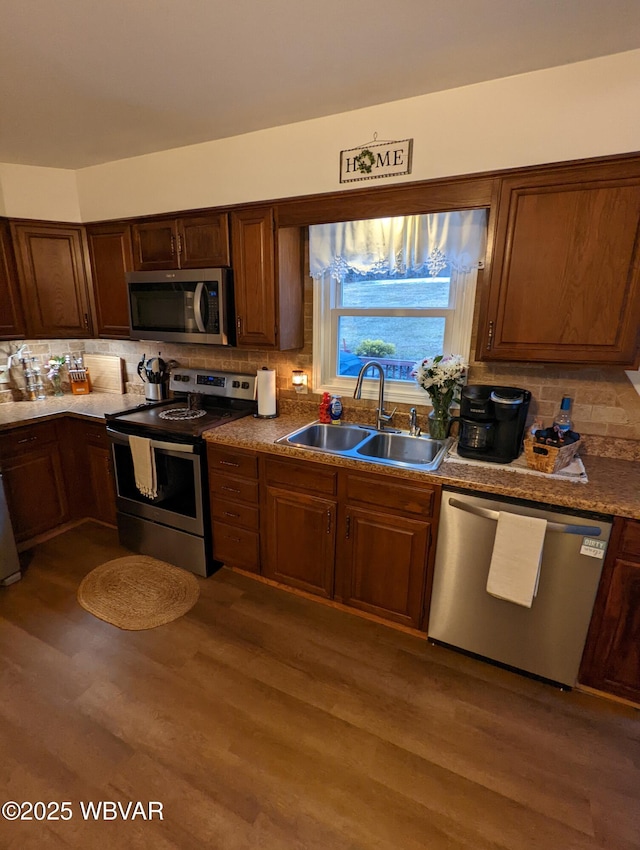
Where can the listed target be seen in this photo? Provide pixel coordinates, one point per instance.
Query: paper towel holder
(300, 381)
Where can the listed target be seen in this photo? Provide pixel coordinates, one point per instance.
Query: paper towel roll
(266, 387)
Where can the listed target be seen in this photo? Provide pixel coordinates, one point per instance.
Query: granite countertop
(613, 486)
(92, 406)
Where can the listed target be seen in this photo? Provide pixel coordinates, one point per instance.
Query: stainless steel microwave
(187, 305)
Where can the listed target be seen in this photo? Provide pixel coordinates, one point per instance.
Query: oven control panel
(222, 384)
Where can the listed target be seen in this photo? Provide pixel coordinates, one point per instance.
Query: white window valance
(400, 245)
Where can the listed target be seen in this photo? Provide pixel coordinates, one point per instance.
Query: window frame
(326, 313)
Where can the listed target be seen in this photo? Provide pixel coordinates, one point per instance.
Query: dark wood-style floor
(262, 720)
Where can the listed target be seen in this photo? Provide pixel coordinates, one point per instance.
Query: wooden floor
(262, 720)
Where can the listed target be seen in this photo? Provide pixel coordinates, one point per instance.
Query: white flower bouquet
(442, 378)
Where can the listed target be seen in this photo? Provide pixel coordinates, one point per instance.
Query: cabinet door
(565, 278)
(155, 245)
(384, 564)
(203, 241)
(298, 532)
(35, 490)
(252, 233)
(611, 660)
(52, 272)
(111, 254)
(103, 495)
(12, 325)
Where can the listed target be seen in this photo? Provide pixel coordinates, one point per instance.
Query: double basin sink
(393, 448)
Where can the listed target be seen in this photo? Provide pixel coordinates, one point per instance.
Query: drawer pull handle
(230, 490)
(228, 463)
(228, 513)
(348, 527)
(234, 539)
(27, 440)
(328, 522)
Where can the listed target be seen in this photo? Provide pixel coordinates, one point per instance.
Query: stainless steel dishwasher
(546, 640)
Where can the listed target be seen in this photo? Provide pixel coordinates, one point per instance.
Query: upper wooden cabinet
(53, 278)
(181, 243)
(564, 284)
(268, 282)
(111, 256)
(12, 324)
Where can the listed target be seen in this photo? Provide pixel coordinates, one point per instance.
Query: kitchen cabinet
(299, 511)
(268, 281)
(611, 660)
(193, 242)
(235, 516)
(385, 546)
(564, 280)
(88, 468)
(32, 469)
(53, 277)
(111, 256)
(12, 324)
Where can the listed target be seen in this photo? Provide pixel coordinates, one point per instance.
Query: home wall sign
(376, 159)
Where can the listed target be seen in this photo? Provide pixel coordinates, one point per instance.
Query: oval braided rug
(137, 592)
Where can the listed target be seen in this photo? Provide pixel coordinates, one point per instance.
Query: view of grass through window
(399, 341)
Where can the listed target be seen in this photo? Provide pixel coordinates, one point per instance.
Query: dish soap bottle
(335, 409)
(562, 422)
(323, 411)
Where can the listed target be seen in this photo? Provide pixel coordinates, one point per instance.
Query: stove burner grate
(180, 414)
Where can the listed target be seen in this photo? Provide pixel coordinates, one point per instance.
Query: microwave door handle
(486, 513)
(197, 307)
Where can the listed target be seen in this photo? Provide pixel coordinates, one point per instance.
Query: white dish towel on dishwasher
(514, 571)
(144, 466)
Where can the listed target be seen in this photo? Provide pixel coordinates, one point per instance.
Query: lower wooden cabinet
(299, 525)
(233, 491)
(88, 468)
(611, 661)
(363, 539)
(34, 481)
(384, 550)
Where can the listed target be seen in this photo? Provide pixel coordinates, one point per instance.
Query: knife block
(80, 381)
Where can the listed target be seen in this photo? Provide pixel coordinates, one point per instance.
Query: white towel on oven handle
(514, 571)
(144, 466)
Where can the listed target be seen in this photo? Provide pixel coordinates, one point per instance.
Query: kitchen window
(394, 290)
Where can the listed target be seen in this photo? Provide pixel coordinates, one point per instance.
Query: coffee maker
(492, 422)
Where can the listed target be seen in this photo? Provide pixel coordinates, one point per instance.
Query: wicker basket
(549, 459)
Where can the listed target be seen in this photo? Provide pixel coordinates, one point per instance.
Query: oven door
(179, 472)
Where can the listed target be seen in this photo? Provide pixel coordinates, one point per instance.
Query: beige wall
(47, 193)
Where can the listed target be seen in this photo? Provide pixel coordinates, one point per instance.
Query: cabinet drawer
(27, 438)
(228, 488)
(236, 547)
(630, 540)
(91, 432)
(301, 476)
(388, 493)
(231, 461)
(234, 513)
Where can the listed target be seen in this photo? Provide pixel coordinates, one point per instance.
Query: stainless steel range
(160, 465)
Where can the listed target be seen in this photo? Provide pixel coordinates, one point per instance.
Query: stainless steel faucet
(414, 428)
(383, 416)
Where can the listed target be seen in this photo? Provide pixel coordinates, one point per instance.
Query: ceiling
(89, 81)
